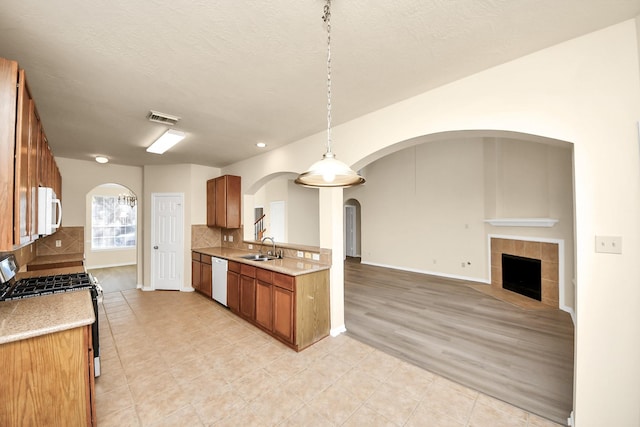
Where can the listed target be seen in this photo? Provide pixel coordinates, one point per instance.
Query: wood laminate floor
(523, 357)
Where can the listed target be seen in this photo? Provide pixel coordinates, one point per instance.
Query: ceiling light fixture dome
(102, 159)
(329, 172)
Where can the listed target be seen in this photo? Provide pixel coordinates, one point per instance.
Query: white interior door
(167, 241)
(350, 230)
(276, 209)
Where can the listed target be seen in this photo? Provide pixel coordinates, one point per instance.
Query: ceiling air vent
(165, 119)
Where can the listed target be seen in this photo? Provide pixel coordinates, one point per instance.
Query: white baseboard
(139, 286)
(571, 421)
(571, 313)
(337, 331)
(147, 288)
(189, 289)
(432, 273)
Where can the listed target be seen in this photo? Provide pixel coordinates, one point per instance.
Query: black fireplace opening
(522, 275)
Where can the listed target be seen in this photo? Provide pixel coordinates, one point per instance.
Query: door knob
(155, 247)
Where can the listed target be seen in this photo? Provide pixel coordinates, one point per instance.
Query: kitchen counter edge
(31, 317)
(288, 266)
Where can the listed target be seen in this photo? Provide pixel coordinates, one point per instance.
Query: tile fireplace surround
(548, 253)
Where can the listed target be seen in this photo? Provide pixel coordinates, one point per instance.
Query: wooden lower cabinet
(264, 298)
(293, 309)
(195, 271)
(233, 287)
(201, 273)
(283, 310)
(48, 380)
(248, 292)
(205, 276)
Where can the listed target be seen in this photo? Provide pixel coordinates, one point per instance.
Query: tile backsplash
(203, 236)
(71, 242)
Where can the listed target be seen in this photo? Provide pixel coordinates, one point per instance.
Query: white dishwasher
(219, 280)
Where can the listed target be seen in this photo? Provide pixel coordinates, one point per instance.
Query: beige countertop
(32, 317)
(43, 262)
(49, 272)
(289, 266)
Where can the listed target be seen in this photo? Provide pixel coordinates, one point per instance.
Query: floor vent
(165, 119)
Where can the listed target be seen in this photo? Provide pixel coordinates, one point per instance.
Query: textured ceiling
(239, 72)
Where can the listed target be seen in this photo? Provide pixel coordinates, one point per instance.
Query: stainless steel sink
(258, 257)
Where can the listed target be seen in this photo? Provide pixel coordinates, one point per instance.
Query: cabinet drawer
(234, 266)
(195, 256)
(283, 281)
(247, 270)
(205, 259)
(264, 275)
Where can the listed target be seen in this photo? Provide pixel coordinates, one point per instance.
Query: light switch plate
(315, 257)
(609, 244)
(58, 243)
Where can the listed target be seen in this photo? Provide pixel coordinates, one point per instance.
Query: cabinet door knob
(155, 247)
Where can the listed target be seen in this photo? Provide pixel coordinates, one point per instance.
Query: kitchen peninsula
(288, 298)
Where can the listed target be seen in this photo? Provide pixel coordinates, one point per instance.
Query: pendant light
(329, 172)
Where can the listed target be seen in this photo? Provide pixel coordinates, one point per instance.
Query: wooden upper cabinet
(223, 202)
(8, 99)
(26, 161)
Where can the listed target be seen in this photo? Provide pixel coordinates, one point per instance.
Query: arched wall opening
(429, 199)
(112, 228)
(585, 91)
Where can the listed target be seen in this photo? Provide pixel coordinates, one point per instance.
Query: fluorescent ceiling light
(102, 159)
(166, 141)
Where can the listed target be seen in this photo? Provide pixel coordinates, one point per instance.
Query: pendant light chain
(329, 171)
(327, 19)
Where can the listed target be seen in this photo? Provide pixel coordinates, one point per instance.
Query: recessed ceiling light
(102, 159)
(166, 141)
(261, 145)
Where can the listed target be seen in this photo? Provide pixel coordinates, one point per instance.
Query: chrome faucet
(273, 253)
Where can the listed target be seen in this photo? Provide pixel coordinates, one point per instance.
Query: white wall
(422, 209)
(585, 91)
(189, 180)
(80, 177)
(301, 209)
(199, 177)
(303, 222)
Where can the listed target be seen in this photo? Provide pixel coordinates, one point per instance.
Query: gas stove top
(45, 285)
(11, 289)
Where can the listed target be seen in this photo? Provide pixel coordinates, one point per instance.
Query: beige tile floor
(179, 359)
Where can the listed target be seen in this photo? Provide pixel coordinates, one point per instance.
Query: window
(113, 226)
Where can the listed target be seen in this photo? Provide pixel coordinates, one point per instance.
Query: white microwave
(49, 211)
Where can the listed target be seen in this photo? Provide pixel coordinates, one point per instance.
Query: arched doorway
(111, 236)
(352, 229)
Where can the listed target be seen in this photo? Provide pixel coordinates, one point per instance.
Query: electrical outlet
(315, 257)
(300, 254)
(250, 246)
(224, 238)
(231, 237)
(58, 243)
(307, 255)
(609, 244)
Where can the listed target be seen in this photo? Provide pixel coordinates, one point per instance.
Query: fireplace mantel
(522, 222)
